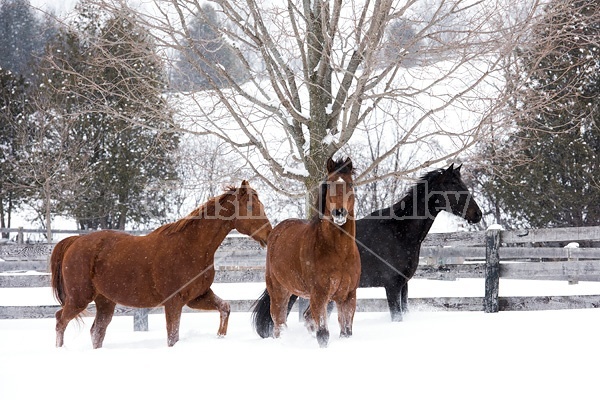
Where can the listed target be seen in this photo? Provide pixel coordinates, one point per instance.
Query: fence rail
(491, 255)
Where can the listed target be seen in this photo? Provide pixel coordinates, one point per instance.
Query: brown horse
(316, 259)
(171, 267)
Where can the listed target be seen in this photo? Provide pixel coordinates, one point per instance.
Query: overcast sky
(58, 6)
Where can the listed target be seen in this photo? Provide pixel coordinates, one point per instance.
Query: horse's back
(96, 245)
(112, 263)
(92, 250)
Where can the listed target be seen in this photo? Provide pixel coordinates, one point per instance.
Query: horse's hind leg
(105, 309)
(393, 298)
(60, 329)
(280, 298)
(309, 321)
(63, 317)
(404, 298)
(210, 301)
(173, 316)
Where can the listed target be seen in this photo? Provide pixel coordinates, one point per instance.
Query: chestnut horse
(316, 259)
(170, 267)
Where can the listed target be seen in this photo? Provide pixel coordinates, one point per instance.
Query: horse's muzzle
(339, 215)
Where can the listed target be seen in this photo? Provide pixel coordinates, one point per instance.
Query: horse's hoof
(310, 327)
(397, 318)
(323, 338)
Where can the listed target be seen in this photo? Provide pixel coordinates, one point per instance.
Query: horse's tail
(261, 316)
(56, 267)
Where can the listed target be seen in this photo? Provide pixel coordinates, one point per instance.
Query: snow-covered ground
(431, 355)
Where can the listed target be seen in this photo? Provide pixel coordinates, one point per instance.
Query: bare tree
(321, 80)
(53, 163)
(539, 171)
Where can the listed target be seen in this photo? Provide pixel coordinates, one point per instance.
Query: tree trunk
(47, 209)
(315, 165)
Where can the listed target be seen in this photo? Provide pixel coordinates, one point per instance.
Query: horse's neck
(412, 215)
(420, 227)
(327, 231)
(209, 233)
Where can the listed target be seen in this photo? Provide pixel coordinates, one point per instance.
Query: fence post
(572, 245)
(20, 236)
(140, 320)
(492, 270)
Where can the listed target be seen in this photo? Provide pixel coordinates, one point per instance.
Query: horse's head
(447, 191)
(336, 197)
(250, 218)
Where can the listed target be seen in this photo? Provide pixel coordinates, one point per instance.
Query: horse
(389, 240)
(316, 259)
(171, 267)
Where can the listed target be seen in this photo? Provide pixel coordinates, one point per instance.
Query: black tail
(261, 316)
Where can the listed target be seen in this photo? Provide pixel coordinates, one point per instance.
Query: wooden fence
(491, 255)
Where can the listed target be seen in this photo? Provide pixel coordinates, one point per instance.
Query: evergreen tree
(107, 77)
(20, 36)
(132, 158)
(553, 180)
(13, 105)
(206, 55)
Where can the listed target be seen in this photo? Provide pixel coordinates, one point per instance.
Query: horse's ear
(348, 163)
(457, 169)
(330, 165)
(244, 187)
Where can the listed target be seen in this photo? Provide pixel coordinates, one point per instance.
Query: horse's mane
(341, 167)
(206, 209)
(404, 206)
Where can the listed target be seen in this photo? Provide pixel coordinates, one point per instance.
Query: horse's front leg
(210, 301)
(318, 310)
(346, 310)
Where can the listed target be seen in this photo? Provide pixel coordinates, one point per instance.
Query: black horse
(389, 240)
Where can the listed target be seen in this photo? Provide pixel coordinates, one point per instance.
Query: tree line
(61, 152)
(113, 115)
